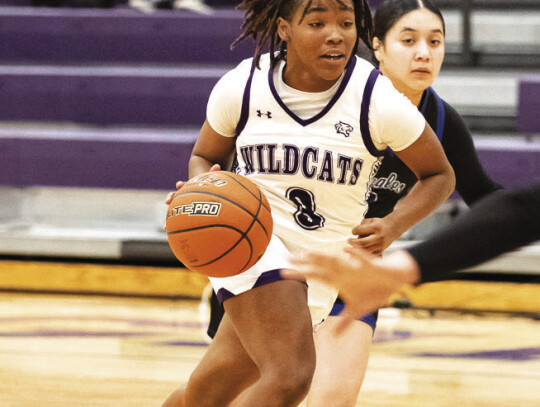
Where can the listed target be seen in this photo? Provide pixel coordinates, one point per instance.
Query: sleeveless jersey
(315, 172)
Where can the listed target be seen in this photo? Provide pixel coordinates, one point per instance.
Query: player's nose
(422, 50)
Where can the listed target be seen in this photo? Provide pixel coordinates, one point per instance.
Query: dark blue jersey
(394, 179)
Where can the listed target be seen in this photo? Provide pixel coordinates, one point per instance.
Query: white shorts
(267, 270)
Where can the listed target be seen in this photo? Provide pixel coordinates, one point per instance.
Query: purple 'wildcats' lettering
(274, 167)
(326, 168)
(357, 167)
(344, 164)
(292, 162)
(260, 155)
(309, 172)
(288, 159)
(247, 156)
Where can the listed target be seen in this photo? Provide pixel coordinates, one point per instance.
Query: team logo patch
(197, 209)
(343, 128)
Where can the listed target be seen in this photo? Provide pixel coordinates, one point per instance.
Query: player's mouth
(422, 71)
(333, 56)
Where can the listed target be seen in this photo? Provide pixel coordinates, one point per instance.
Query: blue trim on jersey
(348, 72)
(439, 130)
(370, 319)
(244, 112)
(364, 114)
(423, 102)
(440, 117)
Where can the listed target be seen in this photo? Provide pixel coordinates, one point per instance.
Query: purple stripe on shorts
(265, 278)
(224, 294)
(268, 277)
(370, 319)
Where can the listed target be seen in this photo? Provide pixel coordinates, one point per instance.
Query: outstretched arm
(500, 223)
(495, 225)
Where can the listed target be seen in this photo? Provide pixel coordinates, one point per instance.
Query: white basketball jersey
(315, 172)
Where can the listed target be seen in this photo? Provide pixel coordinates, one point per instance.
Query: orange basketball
(219, 224)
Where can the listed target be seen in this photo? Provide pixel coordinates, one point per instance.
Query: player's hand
(355, 277)
(374, 235)
(180, 184)
(365, 282)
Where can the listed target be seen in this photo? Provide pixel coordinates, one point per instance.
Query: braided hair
(261, 24)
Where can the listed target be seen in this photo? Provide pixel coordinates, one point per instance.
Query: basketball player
(495, 225)
(307, 124)
(409, 47)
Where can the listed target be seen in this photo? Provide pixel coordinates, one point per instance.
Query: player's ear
(283, 29)
(378, 48)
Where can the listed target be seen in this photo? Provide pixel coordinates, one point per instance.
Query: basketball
(219, 224)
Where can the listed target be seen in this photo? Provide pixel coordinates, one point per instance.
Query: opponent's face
(413, 52)
(319, 43)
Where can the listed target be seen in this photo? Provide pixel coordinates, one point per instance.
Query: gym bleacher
(101, 107)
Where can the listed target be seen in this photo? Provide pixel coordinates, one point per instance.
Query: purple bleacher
(106, 95)
(511, 162)
(94, 158)
(67, 3)
(156, 159)
(528, 120)
(120, 35)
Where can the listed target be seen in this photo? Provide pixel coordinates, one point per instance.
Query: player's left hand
(364, 281)
(356, 277)
(374, 235)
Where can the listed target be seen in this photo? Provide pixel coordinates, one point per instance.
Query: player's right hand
(180, 184)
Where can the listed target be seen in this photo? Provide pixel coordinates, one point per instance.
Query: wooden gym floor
(75, 350)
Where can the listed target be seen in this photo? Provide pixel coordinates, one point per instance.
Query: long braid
(261, 22)
(364, 23)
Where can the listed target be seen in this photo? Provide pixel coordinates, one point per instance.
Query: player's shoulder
(229, 84)
(452, 118)
(363, 64)
(434, 99)
(241, 70)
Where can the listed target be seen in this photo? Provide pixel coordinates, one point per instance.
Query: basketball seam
(247, 189)
(242, 236)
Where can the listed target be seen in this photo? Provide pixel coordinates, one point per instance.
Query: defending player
(409, 45)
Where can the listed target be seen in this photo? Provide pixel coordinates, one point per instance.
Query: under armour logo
(343, 128)
(267, 114)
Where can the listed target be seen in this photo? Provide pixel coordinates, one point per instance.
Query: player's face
(319, 43)
(412, 52)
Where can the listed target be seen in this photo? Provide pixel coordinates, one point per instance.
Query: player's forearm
(198, 165)
(499, 223)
